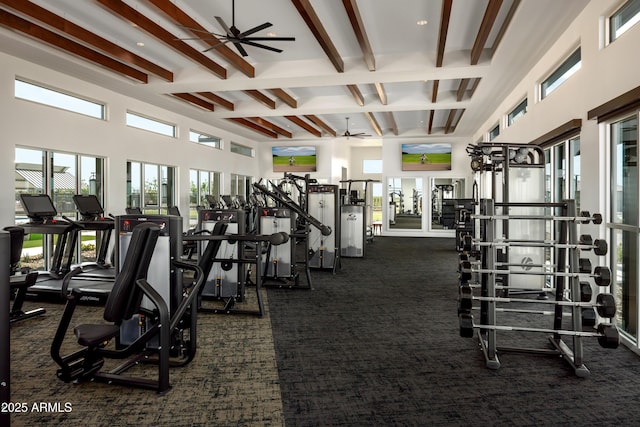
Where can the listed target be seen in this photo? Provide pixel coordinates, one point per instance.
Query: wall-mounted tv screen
(294, 159)
(426, 157)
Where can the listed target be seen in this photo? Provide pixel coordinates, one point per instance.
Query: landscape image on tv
(426, 157)
(294, 159)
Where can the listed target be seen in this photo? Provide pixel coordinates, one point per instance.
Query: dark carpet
(378, 344)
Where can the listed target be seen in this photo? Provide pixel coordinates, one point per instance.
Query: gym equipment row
(573, 309)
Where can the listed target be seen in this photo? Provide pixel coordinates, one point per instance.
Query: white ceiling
(405, 56)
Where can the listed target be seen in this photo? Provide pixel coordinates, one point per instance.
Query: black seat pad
(94, 335)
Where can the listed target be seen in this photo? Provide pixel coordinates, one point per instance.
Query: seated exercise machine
(19, 281)
(159, 339)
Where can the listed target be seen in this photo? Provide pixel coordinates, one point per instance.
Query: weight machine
(355, 224)
(279, 218)
(323, 202)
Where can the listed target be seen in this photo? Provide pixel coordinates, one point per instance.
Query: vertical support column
(576, 316)
(491, 286)
(5, 359)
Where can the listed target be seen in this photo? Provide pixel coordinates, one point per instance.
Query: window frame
(236, 148)
(217, 145)
(519, 113)
(547, 87)
(60, 92)
(146, 118)
(629, 23)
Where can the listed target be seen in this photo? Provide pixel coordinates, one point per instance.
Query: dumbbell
(607, 334)
(605, 304)
(602, 276)
(587, 243)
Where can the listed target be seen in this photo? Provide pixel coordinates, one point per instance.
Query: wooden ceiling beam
(51, 19)
(317, 29)
(357, 95)
(319, 122)
(217, 100)
(474, 87)
(382, 94)
(19, 24)
(430, 126)
(490, 15)
(457, 121)
(304, 125)
(271, 126)
(284, 97)
(374, 123)
(194, 100)
(251, 125)
(449, 123)
(131, 15)
(391, 121)
(505, 25)
(445, 17)
(191, 25)
(462, 89)
(434, 93)
(261, 98)
(353, 13)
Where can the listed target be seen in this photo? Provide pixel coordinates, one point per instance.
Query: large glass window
(561, 74)
(623, 19)
(241, 149)
(623, 222)
(61, 176)
(55, 98)
(150, 187)
(372, 166)
(202, 183)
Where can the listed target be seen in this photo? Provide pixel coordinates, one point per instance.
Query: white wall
(606, 72)
(29, 124)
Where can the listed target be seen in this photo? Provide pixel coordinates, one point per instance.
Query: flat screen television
(38, 207)
(294, 159)
(88, 205)
(426, 157)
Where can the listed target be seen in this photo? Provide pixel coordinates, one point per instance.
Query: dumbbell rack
(566, 277)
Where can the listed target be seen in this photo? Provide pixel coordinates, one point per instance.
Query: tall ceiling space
(404, 69)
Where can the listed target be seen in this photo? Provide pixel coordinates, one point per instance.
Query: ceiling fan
(348, 134)
(238, 38)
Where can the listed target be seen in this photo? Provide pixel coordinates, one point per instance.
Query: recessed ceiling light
(422, 22)
(140, 44)
(271, 34)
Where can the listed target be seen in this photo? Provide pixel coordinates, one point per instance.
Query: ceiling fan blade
(255, 29)
(262, 46)
(278, 39)
(224, 26)
(240, 48)
(217, 45)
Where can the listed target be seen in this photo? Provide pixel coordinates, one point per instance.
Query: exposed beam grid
(357, 95)
(217, 100)
(381, 93)
(374, 123)
(261, 98)
(488, 20)
(304, 125)
(444, 29)
(14, 22)
(194, 100)
(117, 52)
(271, 126)
(317, 29)
(251, 125)
(457, 120)
(284, 97)
(190, 24)
(131, 15)
(361, 34)
(319, 122)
